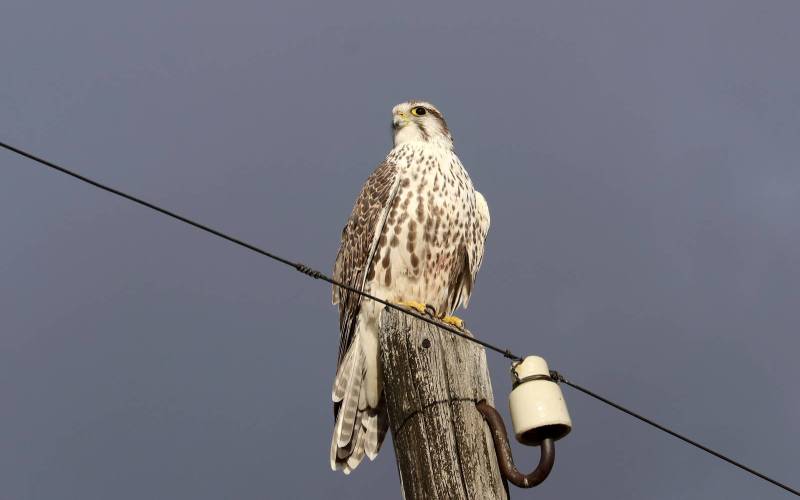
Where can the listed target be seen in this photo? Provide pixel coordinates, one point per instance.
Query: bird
(415, 238)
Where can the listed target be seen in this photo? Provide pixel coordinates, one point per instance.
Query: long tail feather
(349, 408)
(359, 429)
(340, 382)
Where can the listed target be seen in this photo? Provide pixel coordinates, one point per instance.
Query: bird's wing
(359, 240)
(476, 259)
(473, 251)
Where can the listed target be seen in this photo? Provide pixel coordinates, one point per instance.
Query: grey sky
(640, 160)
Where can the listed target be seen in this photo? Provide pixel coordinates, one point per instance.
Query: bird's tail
(359, 429)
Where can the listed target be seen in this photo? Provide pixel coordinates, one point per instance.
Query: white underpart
(422, 283)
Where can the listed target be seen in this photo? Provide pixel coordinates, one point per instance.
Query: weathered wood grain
(432, 380)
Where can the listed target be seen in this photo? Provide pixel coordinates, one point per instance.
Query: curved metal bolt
(503, 449)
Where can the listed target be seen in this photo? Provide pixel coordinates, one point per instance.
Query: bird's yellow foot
(418, 306)
(455, 321)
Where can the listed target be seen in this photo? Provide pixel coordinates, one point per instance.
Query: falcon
(415, 237)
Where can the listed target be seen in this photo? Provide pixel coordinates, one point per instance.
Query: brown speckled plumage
(416, 233)
(358, 244)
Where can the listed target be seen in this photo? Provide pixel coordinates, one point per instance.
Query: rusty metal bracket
(503, 449)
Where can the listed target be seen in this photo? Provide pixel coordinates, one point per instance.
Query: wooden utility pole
(432, 380)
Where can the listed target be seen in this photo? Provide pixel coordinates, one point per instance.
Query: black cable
(308, 271)
(318, 275)
(560, 378)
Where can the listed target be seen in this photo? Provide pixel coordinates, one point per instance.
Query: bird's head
(419, 121)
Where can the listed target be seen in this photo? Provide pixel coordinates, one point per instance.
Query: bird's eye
(418, 111)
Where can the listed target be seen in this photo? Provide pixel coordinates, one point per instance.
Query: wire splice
(308, 271)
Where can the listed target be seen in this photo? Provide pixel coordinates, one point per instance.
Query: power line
(297, 265)
(318, 275)
(560, 378)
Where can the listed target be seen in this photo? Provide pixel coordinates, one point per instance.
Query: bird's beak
(399, 120)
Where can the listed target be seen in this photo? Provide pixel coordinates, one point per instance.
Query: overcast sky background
(640, 160)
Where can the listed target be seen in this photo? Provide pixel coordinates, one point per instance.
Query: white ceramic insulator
(538, 409)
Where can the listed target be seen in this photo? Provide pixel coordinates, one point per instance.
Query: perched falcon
(415, 237)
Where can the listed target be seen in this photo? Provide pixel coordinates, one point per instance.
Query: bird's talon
(417, 306)
(455, 321)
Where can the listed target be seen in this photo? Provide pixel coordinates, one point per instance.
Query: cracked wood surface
(432, 380)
